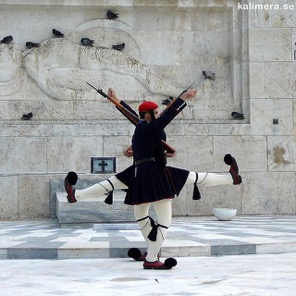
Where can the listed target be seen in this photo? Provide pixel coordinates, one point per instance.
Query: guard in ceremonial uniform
(149, 181)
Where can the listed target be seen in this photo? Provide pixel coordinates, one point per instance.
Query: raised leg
(95, 191)
(212, 179)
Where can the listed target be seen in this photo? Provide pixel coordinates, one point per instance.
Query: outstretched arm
(173, 110)
(112, 94)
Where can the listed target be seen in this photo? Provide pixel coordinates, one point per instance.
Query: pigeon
(167, 101)
(87, 42)
(119, 47)
(57, 33)
(6, 40)
(27, 116)
(111, 15)
(31, 44)
(209, 75)
(237, 115)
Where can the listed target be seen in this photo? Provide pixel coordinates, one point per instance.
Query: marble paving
(237, 275)
(187, 237)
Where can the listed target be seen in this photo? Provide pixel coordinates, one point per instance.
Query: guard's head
(148, 111)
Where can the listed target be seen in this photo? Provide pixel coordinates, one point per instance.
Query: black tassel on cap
(109, 198)
(196, 193)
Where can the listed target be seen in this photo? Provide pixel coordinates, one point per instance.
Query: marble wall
(167, 45)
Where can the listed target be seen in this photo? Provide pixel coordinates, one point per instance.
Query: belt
(143, 160)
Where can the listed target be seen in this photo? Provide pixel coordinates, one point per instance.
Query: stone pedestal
(93, 211)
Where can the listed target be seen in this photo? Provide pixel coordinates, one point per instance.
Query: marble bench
(93, 210)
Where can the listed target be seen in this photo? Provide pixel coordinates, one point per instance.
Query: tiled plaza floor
(248, 256)
(202, 236)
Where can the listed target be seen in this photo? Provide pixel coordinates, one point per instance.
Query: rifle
(132, 117)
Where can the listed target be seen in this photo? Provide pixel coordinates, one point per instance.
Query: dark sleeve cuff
(126, 106)
(178, 105)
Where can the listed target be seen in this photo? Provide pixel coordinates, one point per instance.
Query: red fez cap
(147, 106)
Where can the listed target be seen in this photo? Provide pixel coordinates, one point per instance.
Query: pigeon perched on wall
(111, 15)
(31, 44)
(27, 116)
(209, 75)
(87, 42)
(57, 33)
(6, 40)
(237, 115)
(119, 47)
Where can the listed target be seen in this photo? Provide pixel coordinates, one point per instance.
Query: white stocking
(99, 189)
(209, 179)
(163, 210)
(142, 216)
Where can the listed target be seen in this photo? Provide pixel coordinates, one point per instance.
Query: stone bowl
(224, 214)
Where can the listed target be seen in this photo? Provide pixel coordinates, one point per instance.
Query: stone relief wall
(167, 48)
(167, 45)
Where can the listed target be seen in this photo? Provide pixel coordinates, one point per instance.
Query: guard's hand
(167, 154)
(128, 152)
(112, 94)
(189, 94)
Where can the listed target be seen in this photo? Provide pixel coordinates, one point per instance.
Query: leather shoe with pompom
(168, 264)
(70, 180)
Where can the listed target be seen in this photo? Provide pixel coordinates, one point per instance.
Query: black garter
(153, 233)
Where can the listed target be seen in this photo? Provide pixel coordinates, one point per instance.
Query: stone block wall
(168, 44)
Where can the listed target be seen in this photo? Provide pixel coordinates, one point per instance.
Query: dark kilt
(148, 182)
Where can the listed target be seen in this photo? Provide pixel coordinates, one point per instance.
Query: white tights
(99, 190)
(163, 210)
(209, 179)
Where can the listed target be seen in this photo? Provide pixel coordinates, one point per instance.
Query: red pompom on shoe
(71, 179)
